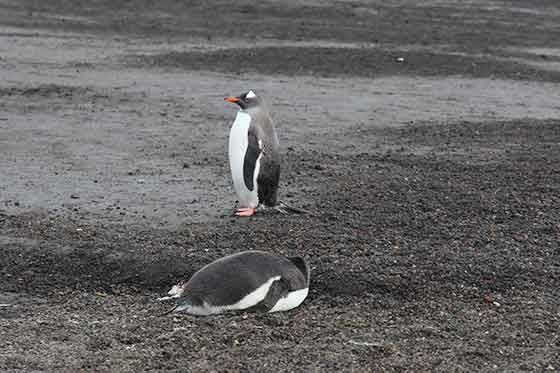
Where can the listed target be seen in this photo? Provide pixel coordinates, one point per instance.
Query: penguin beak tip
(231, 99)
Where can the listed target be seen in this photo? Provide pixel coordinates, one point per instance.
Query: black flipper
(251, 155)
(278, 289)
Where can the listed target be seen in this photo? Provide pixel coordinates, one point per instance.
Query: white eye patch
(251, 94)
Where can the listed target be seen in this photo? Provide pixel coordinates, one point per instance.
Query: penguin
(250, 280)
(253, 155)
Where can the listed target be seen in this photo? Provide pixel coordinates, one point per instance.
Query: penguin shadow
(241, 320)
(282, 208)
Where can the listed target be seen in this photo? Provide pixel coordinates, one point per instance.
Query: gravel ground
(424, 140)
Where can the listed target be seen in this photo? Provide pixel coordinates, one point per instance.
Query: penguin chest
(291, 300)
(244, 178)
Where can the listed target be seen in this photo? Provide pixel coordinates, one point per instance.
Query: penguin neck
(251, 110)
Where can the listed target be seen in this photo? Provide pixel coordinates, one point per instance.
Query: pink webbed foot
(247, 211)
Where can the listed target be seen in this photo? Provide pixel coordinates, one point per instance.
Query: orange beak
(232, 99)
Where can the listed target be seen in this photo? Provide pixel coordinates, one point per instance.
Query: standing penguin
(253, 155)
(254, 280)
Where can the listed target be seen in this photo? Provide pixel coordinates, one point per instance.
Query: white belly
(248, 301)
(292, 300)
(238, 142)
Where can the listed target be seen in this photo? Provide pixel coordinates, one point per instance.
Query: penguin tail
(168, 312)
(285, 208)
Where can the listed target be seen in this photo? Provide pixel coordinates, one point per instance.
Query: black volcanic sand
(332, 62)
(434, 245)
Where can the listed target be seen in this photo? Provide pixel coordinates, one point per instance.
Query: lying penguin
(254, 280)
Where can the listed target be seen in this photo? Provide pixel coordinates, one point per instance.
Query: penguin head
(246, 100)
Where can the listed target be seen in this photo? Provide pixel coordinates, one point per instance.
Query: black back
(227, 280)
(263, 139)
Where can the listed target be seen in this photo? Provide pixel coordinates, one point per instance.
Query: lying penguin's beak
(232, 99)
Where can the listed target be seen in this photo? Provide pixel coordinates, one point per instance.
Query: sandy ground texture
(424, 137)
